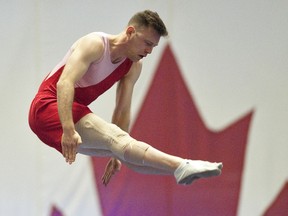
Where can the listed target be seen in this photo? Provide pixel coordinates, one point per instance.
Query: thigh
(94, 132)
(100, 135)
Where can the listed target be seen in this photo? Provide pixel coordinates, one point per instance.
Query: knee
(87, 123)
(92, 130)
(135, 152)
(93, 124)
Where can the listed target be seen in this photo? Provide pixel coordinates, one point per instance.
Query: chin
(135, 59)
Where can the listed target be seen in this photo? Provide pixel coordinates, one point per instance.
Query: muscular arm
(121, 115)
(85, 51)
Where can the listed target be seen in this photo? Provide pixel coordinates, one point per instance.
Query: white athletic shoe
(190, 170)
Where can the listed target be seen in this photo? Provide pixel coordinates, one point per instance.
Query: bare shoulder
(90, 45)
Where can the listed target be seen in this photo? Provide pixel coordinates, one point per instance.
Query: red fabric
(45, 122)
(43, 115)
(89, 94)
(280, 205)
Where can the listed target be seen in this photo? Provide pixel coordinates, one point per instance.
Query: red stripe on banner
(169, 120)
(280, 205)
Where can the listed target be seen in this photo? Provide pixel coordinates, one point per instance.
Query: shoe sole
(190, 178)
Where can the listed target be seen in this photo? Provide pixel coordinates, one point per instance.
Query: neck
(117, 47)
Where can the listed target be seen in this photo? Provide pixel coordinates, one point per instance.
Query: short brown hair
(149, 18)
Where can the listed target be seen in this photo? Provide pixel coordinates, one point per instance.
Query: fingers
(112, 167)
(69, 148)
(107, 175)
(69, 153)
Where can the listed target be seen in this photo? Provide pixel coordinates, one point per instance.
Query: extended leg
(98, 134)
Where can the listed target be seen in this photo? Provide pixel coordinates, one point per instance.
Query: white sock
(178, 172)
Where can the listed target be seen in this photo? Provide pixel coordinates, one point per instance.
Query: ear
(130, 30)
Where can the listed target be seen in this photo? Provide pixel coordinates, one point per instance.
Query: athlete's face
(142, 42)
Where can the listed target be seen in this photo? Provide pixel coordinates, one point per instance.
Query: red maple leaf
(280, 205)
(169, 120)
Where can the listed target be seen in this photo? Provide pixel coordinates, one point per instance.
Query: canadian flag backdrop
(215, 89)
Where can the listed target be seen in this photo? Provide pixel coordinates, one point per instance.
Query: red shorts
(45, 122)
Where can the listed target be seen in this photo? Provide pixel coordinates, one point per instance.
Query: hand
(69, 146)
(112, 167)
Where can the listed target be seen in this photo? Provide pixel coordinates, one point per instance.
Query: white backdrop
(233, 55)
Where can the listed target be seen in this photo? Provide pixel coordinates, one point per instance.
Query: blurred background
(232, 56)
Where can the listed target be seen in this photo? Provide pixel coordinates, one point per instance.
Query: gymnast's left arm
(121, 115)
(124, 92)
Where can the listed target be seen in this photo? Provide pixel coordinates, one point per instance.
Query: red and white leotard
(100, 76)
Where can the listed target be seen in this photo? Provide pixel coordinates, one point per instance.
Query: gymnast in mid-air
(59, 113)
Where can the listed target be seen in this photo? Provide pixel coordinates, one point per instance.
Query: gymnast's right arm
(85, 51)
